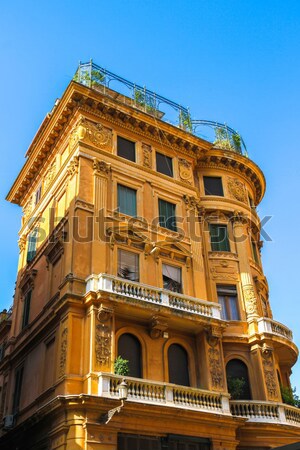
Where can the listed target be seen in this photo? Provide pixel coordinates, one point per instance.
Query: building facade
(140, 240)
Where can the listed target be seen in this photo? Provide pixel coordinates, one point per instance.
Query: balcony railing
(151, 294)
(256, 411)
(266, 325)
(164, 394)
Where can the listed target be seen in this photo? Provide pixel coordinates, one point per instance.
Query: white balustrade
(266, 325)
(152, 294)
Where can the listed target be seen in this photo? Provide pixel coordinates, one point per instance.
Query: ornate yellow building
(140, 239)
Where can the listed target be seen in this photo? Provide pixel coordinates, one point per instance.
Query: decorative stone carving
(93, 133)
(49, 175)
(192, 203)
(239, 218)
(73, 166)
(27, 209)
(101, 167)
(27, 280)
(223, 270)
(147, 155)
(63, 352)
(250, 300)
(214, 359)
(185, 171)
(269, 372)
(22, 243)
(157, 327)
(236, 189)
(103, 336)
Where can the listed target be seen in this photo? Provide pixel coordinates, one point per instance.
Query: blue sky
(232, 61)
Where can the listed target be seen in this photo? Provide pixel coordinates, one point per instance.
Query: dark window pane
(26, 309)
(167, 218)
(227, 297)
(127, 200)
(219, 238)
(164, 164)
(129, 348)
(238, 380)
(128, 265)
(172, 278)
(31, 249)
(254, 252)
(213, 186)
(126, 148)
(178, 365)
(18, 389)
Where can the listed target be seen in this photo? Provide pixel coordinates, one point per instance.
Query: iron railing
(96, 77)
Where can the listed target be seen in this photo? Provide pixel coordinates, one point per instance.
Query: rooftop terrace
(112, 85)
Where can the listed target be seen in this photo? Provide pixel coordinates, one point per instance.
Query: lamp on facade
(123, 393)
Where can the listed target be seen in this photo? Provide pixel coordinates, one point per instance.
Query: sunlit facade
(140, 240)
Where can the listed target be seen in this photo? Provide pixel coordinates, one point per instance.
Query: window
(219, 238)
(178, 365)
(38, 194)
(251, 202)
(128, 265)
(26, 309)
(227, 297)
(164, 164)
(264, 307)
(127, 200)
(18, 389)
(32, 241)
(167, 218)
(213, 186)
(126, 148)
(238, 380)
(254, 252)
(129, 348)
(172, 278)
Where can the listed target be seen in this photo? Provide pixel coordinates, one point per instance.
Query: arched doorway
(129, 348)
(178, 365)
(238, 380)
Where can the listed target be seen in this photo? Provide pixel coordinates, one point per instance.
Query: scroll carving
(158, 326)
(73, 166)
(147, 155)
(185, 171)
(192, 203)
(63, 352)
(103, 336)
(101, 167)
(93, 133)
(236, 189)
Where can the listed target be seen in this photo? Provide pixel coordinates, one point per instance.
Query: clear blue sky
(233, 61)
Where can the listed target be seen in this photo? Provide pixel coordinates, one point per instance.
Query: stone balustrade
(259, 411)
(266, 325)
(152, 294)
(164, 394)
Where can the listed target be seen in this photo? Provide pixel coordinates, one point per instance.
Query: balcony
(266, 325)
(145, 294)
(258, 411)
(164, 394)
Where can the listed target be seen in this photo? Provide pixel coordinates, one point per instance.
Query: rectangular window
(18, 389)
(38, 194)
(254, 252)
(213, 186)
(227, 297)
(128, 265)
(26, 309)
(167, 218)
(219, 238)
(126, 148)
(172, 278)
(127, 200)
(164, 164)
(32, 242)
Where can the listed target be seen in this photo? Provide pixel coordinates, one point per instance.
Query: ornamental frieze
(50, 174)
(269, 373)
(236, 189)
(215, 361)
(103, 336)
(92, 133)
(147, 155)
(250, 300)
(63, 352)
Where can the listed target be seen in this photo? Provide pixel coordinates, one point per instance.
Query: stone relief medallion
(94, 133)
(236, 189)
(185, 171)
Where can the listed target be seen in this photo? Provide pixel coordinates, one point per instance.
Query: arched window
(129, 348)
(178, 365)
(238, 380)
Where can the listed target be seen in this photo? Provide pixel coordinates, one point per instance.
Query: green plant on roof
(185, 121)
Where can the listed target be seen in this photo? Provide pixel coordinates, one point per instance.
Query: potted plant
(121, 366)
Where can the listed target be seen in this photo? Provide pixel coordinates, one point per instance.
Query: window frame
(227, 311)
(18, 380)
(137, 255)
(32, 245)
(38, 194)
(215, 177)
(128, 188)
(215, 246)
(161, 156)
(165, 222)
(166, 263)
(26, 309)
(128, 140)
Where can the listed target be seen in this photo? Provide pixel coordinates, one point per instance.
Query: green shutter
(127, 200)
(219, 238)
(167, 218)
